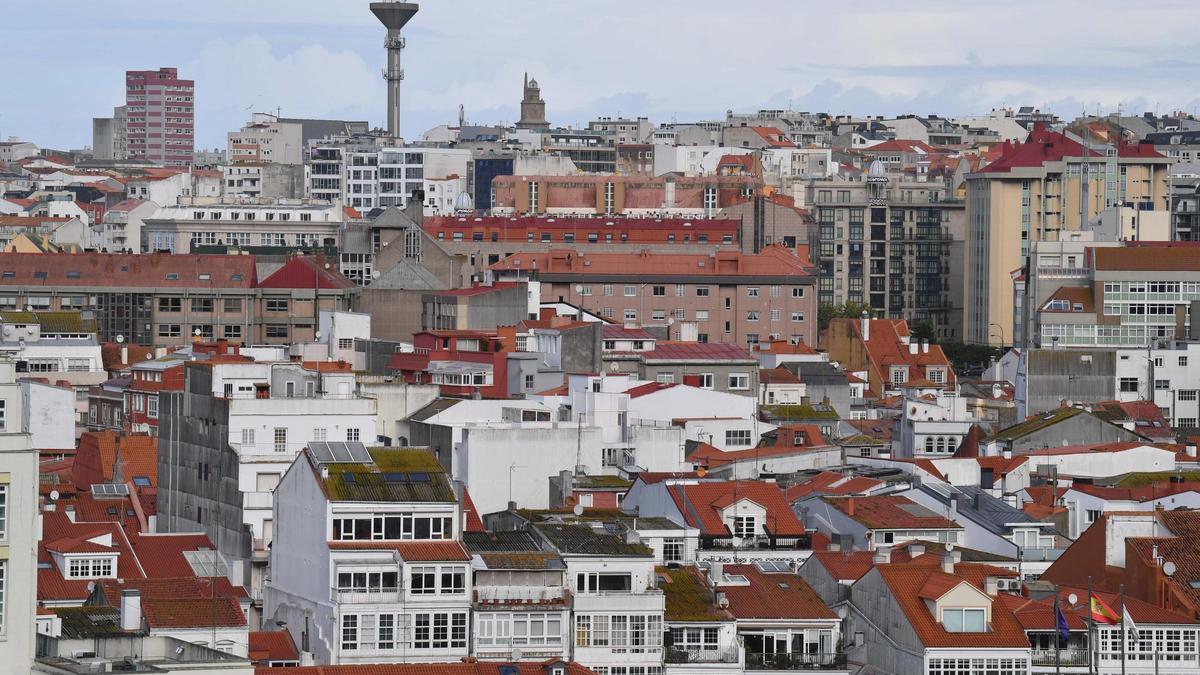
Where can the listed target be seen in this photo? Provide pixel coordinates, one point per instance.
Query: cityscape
(539, 383)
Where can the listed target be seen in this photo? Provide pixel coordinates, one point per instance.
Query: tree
(851, 310)
(924, 331)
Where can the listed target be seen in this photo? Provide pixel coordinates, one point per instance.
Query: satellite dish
(54, 495)
(949, 548)
(375, 274)
(842, 612)
(578, 510)
(120, 339)
(516, 654)
(578, 288)
(1073, 599)
(1169, 568)
(91, 587)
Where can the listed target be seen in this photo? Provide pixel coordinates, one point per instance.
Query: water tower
(393, 15)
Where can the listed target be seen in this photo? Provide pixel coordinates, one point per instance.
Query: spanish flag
(1102, 613)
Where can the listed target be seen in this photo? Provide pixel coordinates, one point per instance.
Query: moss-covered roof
(395, 475)
(1035, 423)
(602, 482)
(801, 411)
(54, 322)
(687, 596)
(1152, 477)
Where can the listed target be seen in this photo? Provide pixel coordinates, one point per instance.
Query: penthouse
(166, 300)
(672, 195)
(725, 296)
(583, 230)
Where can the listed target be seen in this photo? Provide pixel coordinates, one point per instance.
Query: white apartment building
(265, 138)
(121, 227)
(19, 528)
(59, 346)
(933, 422)
(369, 558)
(1170, 376)
(207, 222)
(227, 439)
(366, 175)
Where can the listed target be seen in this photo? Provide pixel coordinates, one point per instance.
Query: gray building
(1058, 428)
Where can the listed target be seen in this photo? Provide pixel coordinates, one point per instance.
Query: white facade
(45, 408)
(285, 222)
(19, 530)
(638, 606)
(121, 228)
(365, 602)
(1170, 376)
(266, 139)
(932, 428)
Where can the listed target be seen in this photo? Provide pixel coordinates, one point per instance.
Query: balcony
(1066, 657)
(366, 596)
(786, 661)
(520, 595)
(701, 655)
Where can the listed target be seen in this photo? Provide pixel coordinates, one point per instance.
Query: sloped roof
(192, 612)
(906, 581)
(275, 645)
(890, 512)
(123, 270)
(419, 551)
(700, 503)
(776, 595)
(306, 272)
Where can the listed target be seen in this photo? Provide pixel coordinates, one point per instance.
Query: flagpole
(1124, 636)
(1057, 637)
(1093, 648)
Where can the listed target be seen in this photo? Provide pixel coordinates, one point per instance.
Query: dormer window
(745, 526)
(91, 568)
(964, 620)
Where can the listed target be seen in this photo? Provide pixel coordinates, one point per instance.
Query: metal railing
(785, 661)
(1067, 657)
(367, 595)
(700, 655)
(528, 594)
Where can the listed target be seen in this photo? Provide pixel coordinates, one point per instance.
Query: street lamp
(999, 329)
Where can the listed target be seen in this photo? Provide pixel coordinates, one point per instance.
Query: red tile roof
(1175, 257)
(890, 512)
(832, 483)
(275, 645)
(616, 331)
(478, 290)
(777, 376)
(773, 261)
(908, 582)
(474, 521)
(307, 272)
(162, 556)
(784, 347)
(700, 504)
(669, 350)
(121, 270)
(409, 550)
(1044, 146)
(222, 612)
(647, 388)
(773, 596)
(901, 145)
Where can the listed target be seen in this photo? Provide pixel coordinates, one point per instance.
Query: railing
(1076, 272)
(525, 594)
(1067, 657)
(818, 661)
(700, 655)
(367, 595)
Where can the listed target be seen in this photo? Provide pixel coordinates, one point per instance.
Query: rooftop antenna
(393, 15)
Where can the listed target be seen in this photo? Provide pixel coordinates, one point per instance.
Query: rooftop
(383, 475)
(890, 512)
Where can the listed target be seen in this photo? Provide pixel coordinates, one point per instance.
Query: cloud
(235, 78)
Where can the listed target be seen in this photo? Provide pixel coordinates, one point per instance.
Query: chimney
(924, 346)
(1190, 449)
(124, 353)
(716, 573)
(866, 326)
(948, 562)
(991, 585)
(131, 610)
(912, 348)
(850, 506)
(915, 550)
(883, 555)
(1006, 453)
(69, 510)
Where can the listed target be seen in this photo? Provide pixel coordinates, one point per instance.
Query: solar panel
(773, 566)
(206, 563)
(349, 478)
(339, 452)
(418, 477)
(394, 477)
(109, 490)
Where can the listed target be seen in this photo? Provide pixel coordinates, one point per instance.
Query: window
(586, 500)
(702, 291)
(423, 580)
(631, 315)
(1162, 384)
(673, 550)
(797, 291)
(85, 568)
(277, 330)
(1184, 395)
(233, 305)
(744, 526)
(1182, 361)
(964, 620)
(3, 526)
(169, 330)
(737, 437)
(440, 630)
(248, 436)
(630, 291)
(1129, 385)
(1093, 515)
(170, 304)
(233, 332)
(706, 380)
(277, 305)
(739, 381)
(752, 291)
(797, 316)
(202, 304)
(281, 439)
(352, 434)
(529, 381)
(752, 315)
(658, 291)
(345, 343)
(152, 406)
(350, 632)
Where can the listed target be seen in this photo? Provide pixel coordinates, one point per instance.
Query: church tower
(533, 108)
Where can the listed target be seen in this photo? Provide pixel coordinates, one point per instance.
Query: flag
(1102, 613)
(1060, 621)
(1130, 625)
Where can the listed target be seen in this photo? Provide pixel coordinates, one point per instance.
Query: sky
(669, 60)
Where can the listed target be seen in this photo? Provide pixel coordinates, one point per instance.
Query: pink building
(161, 122)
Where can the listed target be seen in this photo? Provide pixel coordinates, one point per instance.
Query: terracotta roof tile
(409, 550)
(699, 504)
(275, 645)
(908, 582)
(773, 596)
(890, 512)
(192, 612)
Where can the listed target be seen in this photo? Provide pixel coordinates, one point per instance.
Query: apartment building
(1035, 191)
(369, 565)
(366, 172)
(167, 300)
(883, 353)
(892, 243)
(160, 119)
(732, 297)
(662, 197)
(197, 222)
(266, 138)
(226, 439)
(1118, 296)
(19, 529)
